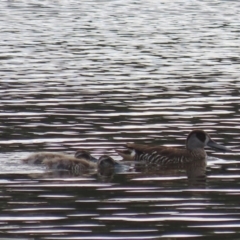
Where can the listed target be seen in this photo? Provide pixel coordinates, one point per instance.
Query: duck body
(161, 155)
(70, 164)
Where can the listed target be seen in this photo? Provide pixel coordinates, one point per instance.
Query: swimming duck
(161, 155)
(82, 160)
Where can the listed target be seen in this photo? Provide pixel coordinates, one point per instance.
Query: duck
(162, 155)
(81, 161)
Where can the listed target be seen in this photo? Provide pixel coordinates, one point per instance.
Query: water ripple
(98, 74)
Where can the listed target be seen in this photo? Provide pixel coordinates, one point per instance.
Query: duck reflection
(194, 171)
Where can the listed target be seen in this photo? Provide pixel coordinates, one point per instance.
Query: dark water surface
(97, 74)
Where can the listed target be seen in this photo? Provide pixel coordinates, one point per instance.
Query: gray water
(97, 74)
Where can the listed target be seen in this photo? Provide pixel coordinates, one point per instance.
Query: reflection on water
(95, 75)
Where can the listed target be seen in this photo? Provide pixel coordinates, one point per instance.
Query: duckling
(81, 161)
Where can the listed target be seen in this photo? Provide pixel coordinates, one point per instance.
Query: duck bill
(217, 146)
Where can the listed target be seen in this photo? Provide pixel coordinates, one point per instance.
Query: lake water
(97, 74)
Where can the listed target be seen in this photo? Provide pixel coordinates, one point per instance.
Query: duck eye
(201, 136)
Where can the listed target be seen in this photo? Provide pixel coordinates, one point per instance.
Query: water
(98, 74)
